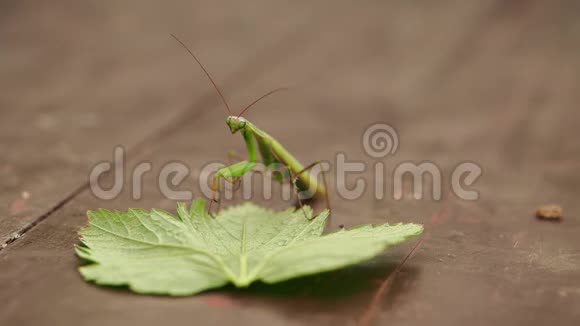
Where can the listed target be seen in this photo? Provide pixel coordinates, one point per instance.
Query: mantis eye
(242, 124)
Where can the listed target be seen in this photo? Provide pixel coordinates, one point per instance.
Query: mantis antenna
(261, 97)
(205, 71)
(216, 86)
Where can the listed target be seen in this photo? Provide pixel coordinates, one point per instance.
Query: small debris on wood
(549, 212)
(25, 195)
(14, 236)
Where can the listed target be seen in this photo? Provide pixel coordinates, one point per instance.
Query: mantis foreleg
(235, 171)
(230, 174)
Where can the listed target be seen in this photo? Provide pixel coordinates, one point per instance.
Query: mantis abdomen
(273, 152)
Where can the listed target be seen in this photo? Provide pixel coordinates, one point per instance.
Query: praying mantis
(273, 154)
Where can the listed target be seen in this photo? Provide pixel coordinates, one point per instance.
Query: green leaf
(158, 252)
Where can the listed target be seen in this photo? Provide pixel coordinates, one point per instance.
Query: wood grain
(489, 82)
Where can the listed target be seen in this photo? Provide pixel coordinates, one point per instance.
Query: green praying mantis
(273, 154)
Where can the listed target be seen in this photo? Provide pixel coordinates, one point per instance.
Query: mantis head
(235, 123)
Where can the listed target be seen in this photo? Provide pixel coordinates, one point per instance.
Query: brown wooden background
(493, 82)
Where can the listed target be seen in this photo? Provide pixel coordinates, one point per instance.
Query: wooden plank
(484, 262)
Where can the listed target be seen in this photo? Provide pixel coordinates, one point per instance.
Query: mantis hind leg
(294, 186)
(296, 177)
(294, 181)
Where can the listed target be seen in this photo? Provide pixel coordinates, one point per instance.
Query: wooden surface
(492, 82)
